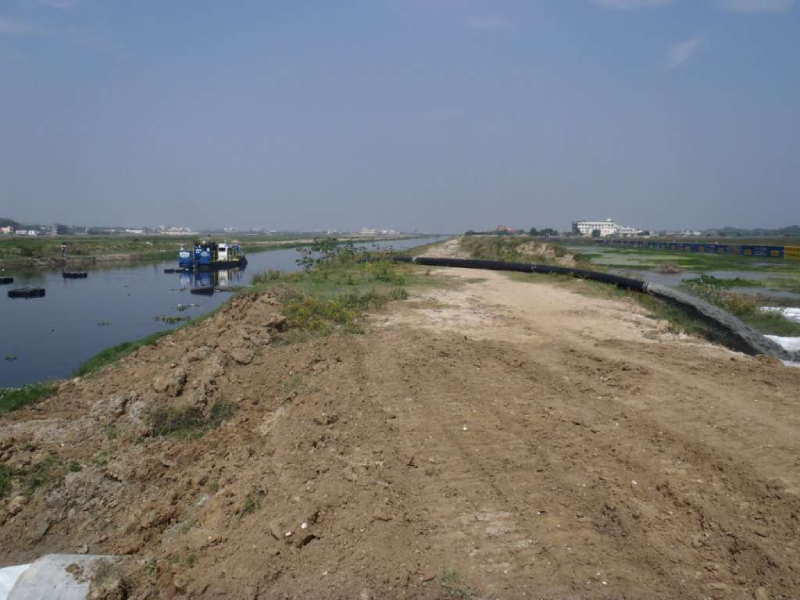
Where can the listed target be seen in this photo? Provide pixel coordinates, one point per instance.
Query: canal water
(50, 337)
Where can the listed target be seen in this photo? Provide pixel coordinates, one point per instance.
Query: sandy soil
(491, 439)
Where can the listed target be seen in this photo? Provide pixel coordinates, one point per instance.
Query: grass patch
(511, 249)
(321, 315)
(188, 421)
(721, 283)
(252, 502)
(46, 473)
(6, 477)
(337, 287)
(645, 258)
(452, 584)
(746, 308)
(15, 398)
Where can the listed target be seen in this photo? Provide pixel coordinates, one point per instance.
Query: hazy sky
(414, 114)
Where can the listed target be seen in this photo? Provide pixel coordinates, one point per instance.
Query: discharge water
(50, 337)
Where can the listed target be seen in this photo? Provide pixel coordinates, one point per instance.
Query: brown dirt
(540, 250)
(492, 439)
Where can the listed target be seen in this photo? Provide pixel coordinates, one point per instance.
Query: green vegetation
(112, 355)
(252, 501)
(511, 249)
(16, 398)
(321, 316)
(48, 472)
(338, 285)
(700, 262)
(717, 292)
(6, 477)
(452, 584)
(187, 421)
(25, 250)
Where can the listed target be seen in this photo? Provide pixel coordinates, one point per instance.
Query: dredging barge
(211, 256)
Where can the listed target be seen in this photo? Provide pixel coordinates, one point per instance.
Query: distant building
(177, 231)
(7, 230)
(605, 228)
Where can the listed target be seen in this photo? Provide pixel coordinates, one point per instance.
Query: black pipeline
(744, 338)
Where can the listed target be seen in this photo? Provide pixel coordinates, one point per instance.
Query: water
(48, 337)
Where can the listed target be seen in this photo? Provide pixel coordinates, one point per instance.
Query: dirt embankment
(492, 439)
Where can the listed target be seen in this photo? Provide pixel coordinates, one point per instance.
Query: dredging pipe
(744, 338)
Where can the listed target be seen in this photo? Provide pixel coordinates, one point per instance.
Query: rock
(201, 353)
(761, 593)
(172, 384)
(16, 504)
(717, 586)
(381, 515)
(277, 323)
(303, 538)
(82, 549)
(243, 356)
(277, 529)
(113, 407)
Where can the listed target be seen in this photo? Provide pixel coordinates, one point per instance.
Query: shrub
(267, 276)
(398, 293)
(16, 398)
(187, 420)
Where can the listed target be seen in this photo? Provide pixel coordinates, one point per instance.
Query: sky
(429, 115)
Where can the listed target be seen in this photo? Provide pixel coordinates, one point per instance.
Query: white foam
(792, 344)
(8, 577)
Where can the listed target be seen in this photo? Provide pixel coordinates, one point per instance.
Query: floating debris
(169, 319)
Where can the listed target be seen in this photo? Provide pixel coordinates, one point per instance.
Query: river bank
(45, 253)
(486, 437)
(118, 302)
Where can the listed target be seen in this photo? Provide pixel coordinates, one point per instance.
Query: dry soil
(494, 438)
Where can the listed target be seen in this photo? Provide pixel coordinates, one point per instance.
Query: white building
(606, 228)
(7, 230)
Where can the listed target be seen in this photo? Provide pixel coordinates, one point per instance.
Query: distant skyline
(437, 115)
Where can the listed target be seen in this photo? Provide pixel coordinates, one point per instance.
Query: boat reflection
(205, 282)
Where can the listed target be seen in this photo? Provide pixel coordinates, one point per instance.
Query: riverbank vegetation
(515, 249)
(747, 308)
(15, 398)
(38, 251)
(339, 284)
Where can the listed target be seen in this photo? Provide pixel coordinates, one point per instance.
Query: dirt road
(496, 438)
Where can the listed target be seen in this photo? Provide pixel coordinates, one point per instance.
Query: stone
(717, 586)
(16, 505)
(172, 384)
(242, 356)
(277, 322)
(761, 593)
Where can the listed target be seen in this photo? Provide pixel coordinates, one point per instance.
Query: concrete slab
(49, 578)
